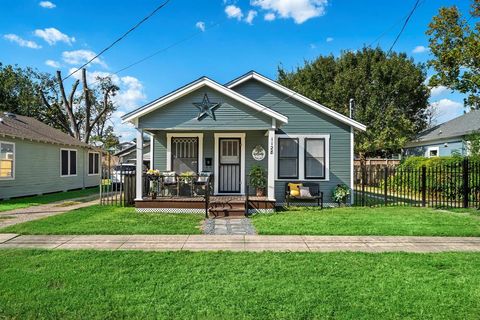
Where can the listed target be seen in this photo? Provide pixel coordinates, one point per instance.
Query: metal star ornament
(206, 108)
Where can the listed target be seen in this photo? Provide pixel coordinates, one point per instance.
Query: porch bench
(315, 193)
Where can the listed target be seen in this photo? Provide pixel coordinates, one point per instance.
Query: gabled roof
(16, 126)
(458, 127)
(295, 95)
(202, 82)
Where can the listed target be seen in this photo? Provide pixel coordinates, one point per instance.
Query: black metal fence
(456, 185)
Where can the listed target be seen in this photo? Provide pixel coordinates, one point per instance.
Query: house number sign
(258, 153)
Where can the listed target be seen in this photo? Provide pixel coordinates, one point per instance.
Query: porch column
(139, 167)
(271, 164)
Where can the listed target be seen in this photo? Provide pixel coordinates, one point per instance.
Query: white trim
(217, 136)
(14, 160)
(275, 85)
(88, 163)
(352, 146)
(427, 153)
(198, 135)
(152, 141)
(139, 166)
(271, 163)
(301, 155)
(76, 163)
(203, 82)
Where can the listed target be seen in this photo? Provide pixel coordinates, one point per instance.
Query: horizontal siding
(182, 114)
(303, 119)
(37, 170)
(445, 151)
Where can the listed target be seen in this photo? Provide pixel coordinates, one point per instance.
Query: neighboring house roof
(199, 83)
(458, 127)
(295, 95)
(22, 127)
(130, 149)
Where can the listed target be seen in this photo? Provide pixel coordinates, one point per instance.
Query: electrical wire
(404, 25)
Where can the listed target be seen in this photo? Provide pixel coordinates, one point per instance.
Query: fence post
(465, 183)
(385, 171)
(424, 186)
(364, 176)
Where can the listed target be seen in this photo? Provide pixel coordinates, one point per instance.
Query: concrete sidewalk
(242, 243)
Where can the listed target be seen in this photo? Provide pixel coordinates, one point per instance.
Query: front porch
(212, 207)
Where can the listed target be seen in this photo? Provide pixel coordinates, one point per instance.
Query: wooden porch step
(226, 212)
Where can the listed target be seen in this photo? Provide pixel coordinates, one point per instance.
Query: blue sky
(237, 36)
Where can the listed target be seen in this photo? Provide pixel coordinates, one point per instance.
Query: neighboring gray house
(252, 120)
(37, 159)
(445, 138)
(128, 155)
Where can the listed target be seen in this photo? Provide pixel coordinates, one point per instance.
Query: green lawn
(406, 221)
(186, 285)
(110, 220)
(25, 202)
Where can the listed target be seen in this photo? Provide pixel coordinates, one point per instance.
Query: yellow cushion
(294, 189)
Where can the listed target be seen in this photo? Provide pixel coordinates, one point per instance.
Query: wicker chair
(169, 180)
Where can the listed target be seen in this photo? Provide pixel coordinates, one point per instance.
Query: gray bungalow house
(36, 159)
(252, 120)
(446, 138)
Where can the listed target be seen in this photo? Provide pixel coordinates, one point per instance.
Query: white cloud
(234, 12)
(420, 49)
(313, 46)
(250, 16)
(200, 25)
(269, 16)
(329, 39)
(21, 42)
(299, 10)
(447, 109)
(52, 36)
(52, 63)
(438, 90)
(47, 4)
(81, 56)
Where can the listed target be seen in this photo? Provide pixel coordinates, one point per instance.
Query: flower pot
(260, 192)
(154, 195)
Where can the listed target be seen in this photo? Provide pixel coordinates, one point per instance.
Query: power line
(404, 25)
(119, 39)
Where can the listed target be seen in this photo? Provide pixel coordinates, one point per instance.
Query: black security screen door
(229, 166)
(184, 154)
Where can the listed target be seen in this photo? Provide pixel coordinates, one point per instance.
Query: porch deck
(176, 204)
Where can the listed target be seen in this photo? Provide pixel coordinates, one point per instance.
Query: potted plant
(340, 194)
(153, 176)
(258, 179)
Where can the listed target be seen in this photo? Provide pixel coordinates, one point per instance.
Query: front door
(229, 165)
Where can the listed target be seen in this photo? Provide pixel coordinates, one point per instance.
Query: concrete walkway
(12, 217)
(226, 226)
(242, 243)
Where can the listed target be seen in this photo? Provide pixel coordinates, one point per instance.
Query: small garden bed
(387, 221)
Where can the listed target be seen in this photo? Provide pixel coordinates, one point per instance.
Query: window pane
(314, 168)
(64, 163)
(287, 168)
(73, 162)
(314, 158)
(96, 163)
(287, 147)
(184, 154)
(6, 160)
(90, 163)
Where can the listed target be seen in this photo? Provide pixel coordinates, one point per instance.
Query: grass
(110, 220)
(394, 221)
(26, 202)
(187, 285)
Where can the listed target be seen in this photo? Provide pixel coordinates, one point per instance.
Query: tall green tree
(455, 45)
(390, 94)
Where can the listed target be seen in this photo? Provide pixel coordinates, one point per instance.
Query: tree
(455, 45)
(390, 95)
(473, 142)
(79, 115)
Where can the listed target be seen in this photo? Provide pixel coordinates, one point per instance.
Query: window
(433, 152)
(7, 160)
(68, 162)
(314, 158)
(93, 163)
(288, 158)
